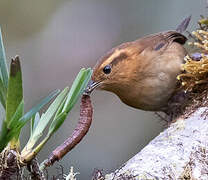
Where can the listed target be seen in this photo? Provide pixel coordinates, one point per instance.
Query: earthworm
(84, 123)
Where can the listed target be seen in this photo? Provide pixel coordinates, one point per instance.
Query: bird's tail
(184, 24)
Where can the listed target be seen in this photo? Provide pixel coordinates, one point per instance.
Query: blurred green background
(56, 38)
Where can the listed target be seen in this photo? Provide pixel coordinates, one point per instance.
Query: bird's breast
(152, 89)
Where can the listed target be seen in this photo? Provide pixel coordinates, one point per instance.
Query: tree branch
(180, 152)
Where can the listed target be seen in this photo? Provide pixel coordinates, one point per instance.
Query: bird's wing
(160, 40)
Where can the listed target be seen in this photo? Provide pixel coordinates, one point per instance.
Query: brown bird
(142, 73)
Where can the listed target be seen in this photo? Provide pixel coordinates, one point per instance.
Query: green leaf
(3, 140)
(62, 109)
(14, 95)
(6, 128)
(37, 119)
(17, 115)
(32, 124)
(3, 73)
(24, 119)
(3, 92)
(77, 88)
(56, 123)
(3, 65)
(44, 120)
(34, 121)
(53, 128)
(15, 91)
(73, 87)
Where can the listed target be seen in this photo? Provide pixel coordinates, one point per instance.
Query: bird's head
(116, 70)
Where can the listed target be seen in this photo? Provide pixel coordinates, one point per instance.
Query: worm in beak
(91, 86)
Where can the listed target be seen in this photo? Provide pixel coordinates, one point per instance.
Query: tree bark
(179, 152)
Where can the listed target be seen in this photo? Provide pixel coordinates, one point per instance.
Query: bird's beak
(91, 86)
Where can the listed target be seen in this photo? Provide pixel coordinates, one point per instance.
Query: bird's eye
(107, 69)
